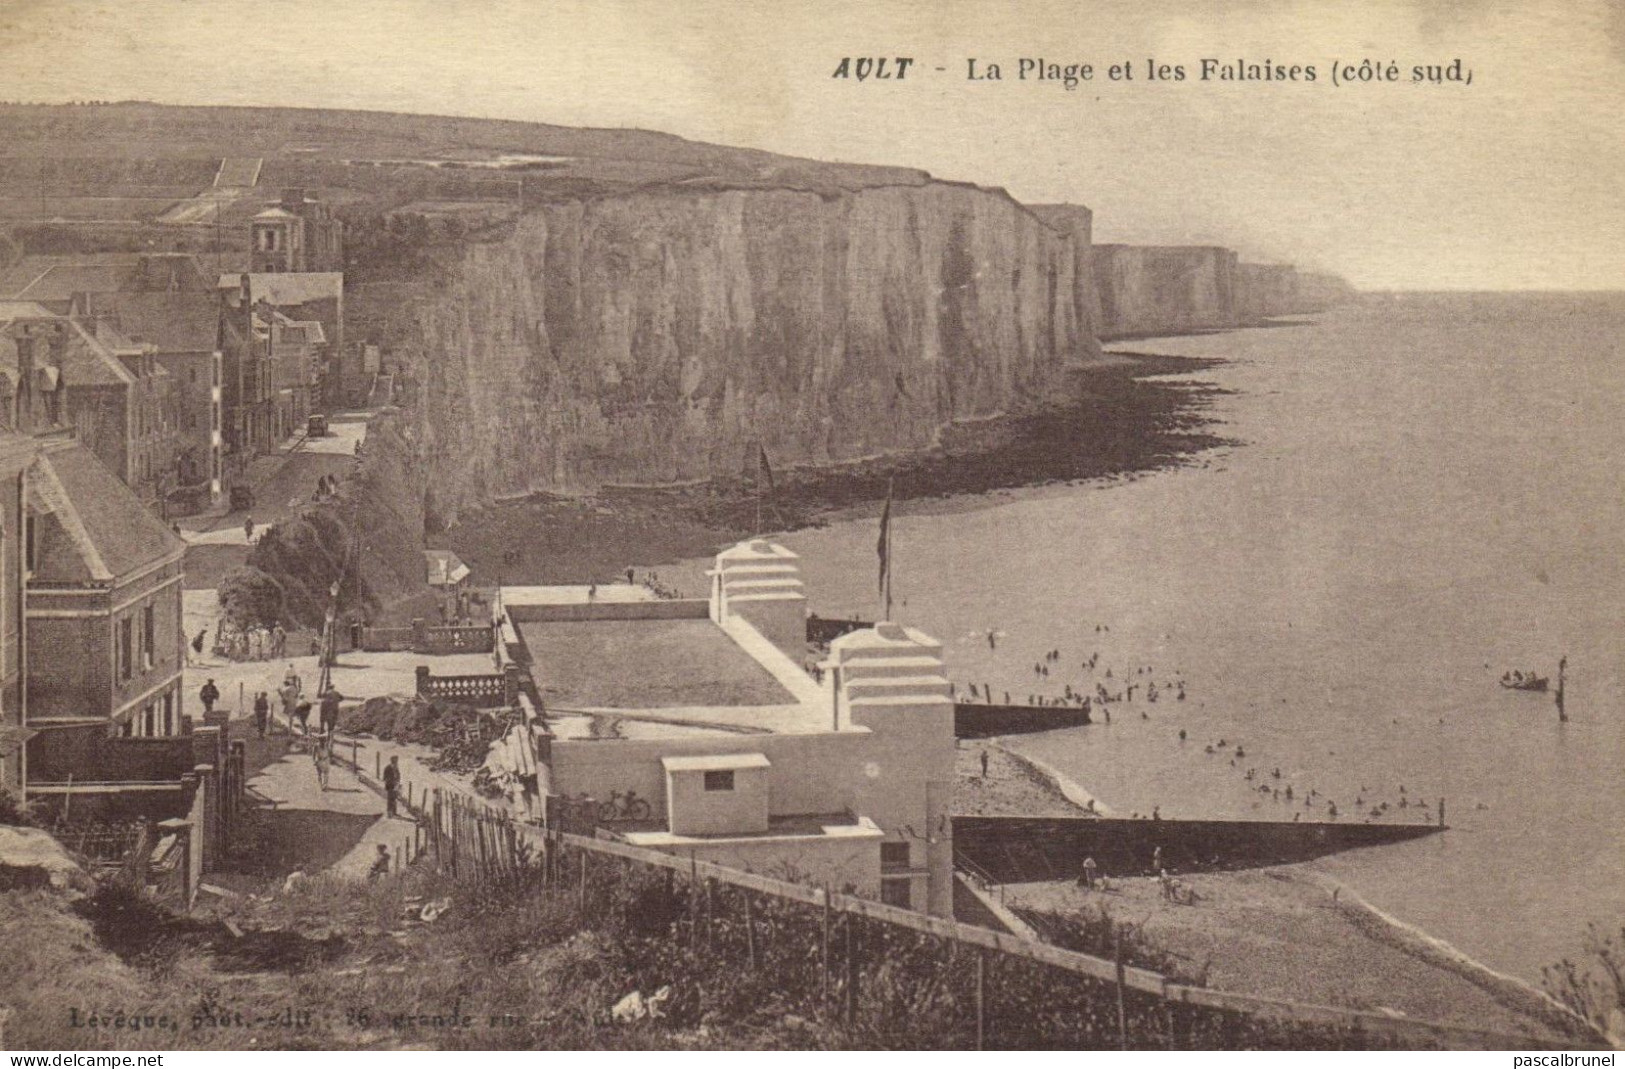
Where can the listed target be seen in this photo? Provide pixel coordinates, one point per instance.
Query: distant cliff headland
(580, 309)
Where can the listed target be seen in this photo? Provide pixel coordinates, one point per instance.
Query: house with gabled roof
(70, 372)
(102, 602)
(184, 330)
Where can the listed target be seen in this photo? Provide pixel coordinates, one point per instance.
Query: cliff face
(1146, 289)
(664, 336)
(1268, 290)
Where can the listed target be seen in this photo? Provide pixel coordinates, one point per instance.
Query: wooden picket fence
(484, 845)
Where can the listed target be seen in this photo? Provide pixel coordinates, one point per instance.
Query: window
(169, 713)
(149, 720)
(896, 893)
(149, 636)
(126, 639)
(719, 781)
(893, 856)
(29, 555)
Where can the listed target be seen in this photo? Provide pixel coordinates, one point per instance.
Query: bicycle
(624, 807)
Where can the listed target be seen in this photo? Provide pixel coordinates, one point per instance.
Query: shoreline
(1516, 994)
(1243, 923)
(1124, 419)
(1361, 921)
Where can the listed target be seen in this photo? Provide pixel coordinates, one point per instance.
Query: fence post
(581, 895)
(981, 997)
(851, 969)
(1122, 1010)
(750, 932)
(710, 909)
(377, 765)
(693, 900)
(823, 957)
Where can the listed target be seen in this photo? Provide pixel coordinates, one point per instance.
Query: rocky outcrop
(30, 858)
(670, 335)
(1164, 289)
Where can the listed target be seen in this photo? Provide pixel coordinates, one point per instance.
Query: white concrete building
(706, 711)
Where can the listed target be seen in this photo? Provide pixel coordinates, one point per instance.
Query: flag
(765, 476)
(883, 548)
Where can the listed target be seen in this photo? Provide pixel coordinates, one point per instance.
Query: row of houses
(176, 378)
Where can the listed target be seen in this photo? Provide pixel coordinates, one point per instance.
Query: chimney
(24, 400)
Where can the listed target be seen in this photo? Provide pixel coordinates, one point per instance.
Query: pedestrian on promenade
(330, 710)
(279, 641)
(262, 712)
(1089, 873)
(984, 763)
(322, 756)
(248, 529)
(380, 865)
(208, 694)
(197, 645)
(392, 785)
(301, 714)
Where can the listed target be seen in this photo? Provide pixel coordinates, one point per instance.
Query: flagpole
(884, 549)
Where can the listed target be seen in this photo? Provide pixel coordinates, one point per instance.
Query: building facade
(183, 330)
(104, 633)
(69, 372)
(299, 233)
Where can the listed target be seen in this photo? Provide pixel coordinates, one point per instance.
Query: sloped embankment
(368, 537)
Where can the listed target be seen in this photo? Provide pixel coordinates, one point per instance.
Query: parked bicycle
(626, 806)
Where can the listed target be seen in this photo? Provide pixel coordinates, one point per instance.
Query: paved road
(291, 784)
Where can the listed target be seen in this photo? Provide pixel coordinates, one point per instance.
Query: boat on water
(1528, 682)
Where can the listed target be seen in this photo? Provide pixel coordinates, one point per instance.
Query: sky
(1516, 181)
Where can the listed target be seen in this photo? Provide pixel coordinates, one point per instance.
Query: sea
(1421, 493)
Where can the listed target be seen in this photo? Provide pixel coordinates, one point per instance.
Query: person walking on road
(197, 646)
(208, 694)
(392, 785)
(262, 712)
(248, 530)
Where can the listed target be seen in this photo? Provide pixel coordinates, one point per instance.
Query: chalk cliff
(1149, 289)
(667, 335)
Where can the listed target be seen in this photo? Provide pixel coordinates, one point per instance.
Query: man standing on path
(262, 712)
(392, 785)
(208, 694)
(330, 711)
(248, 530)
(984, 762)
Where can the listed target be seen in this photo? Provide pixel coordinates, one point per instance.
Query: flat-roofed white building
(705, 711)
